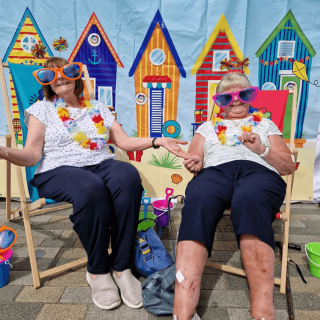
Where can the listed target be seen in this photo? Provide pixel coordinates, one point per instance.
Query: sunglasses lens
(223, 100)
(45, 76)
(72, 71)
(248, 95)
(6, 238)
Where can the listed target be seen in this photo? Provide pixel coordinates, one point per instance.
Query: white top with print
(215, 153)
(59, 147)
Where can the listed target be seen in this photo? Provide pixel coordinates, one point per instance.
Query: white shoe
(105, 294)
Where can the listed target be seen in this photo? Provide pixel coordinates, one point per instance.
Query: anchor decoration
(94, 57)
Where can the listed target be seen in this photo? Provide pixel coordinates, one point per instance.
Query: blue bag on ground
(158, 288)
(158, 292)
(150, 254)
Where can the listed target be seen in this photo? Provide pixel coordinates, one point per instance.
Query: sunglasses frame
(55, 70)
(2, 251)
(256, 89)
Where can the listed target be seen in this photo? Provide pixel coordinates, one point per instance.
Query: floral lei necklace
(220, 128)
(77, 134)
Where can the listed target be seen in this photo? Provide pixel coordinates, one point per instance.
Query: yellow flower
(102, 130)
(85, 143)
(62, 112)
(246, 129)
(223, 138)
(214, 120)
(79, 137)
(98, 125)
(258, 114)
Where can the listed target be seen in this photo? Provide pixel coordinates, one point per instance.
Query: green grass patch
(166, 160)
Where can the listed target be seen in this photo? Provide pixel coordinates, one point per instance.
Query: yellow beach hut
(25, 38)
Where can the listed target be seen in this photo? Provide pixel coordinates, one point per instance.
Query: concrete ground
(223, 296)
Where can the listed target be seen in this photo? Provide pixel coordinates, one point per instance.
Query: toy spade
(145, 201)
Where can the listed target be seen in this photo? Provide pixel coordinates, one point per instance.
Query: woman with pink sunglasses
(239, 158)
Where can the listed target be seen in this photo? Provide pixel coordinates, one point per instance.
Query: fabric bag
(150, 253)
(158, 288)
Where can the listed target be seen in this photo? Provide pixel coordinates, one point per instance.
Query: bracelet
(262, 155)
(6, 155)
(154, 147)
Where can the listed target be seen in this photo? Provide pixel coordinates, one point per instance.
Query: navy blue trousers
(253, 192)
(106, 202)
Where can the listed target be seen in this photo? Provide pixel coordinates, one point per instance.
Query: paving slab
(69, 279)
(77, 295)
(63, 311)
(43, 294)
(122, 312)
(20, 311)
(8, 293)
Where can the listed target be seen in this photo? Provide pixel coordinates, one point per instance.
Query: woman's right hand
(194, 164)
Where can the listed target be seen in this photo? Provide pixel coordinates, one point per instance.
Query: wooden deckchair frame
(34, 208)
(285, 215)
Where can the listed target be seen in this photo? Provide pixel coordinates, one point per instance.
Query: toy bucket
(313, 253)
(161, 212)
(5, 268)
(145, 224)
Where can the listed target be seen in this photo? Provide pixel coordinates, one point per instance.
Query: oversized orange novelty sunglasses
(71, 71)
(8, 237)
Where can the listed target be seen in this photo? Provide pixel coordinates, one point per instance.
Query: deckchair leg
(30, 244)
(284, 263)
(8, 182)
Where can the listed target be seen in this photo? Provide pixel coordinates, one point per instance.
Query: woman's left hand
(252, 141)
(172, 145)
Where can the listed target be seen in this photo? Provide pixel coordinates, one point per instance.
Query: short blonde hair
(234, 79)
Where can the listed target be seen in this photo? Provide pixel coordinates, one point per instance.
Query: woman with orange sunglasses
(69, 136)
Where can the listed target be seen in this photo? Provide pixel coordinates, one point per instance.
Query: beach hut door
(156, 112)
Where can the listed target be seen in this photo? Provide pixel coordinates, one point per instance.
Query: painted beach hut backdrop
(220, 45)
(26, 37)
(156, 69)
(285, 45)
(95, 50)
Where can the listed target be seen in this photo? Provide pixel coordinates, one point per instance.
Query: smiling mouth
(63, 84)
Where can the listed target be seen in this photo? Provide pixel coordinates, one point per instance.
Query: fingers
(247, 137)
(181, 142)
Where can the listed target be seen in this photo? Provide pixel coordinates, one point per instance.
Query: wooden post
(8, 181)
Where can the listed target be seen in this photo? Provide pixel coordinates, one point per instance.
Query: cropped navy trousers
(252, 191)
(106, 200)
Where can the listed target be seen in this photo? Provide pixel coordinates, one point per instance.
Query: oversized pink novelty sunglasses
(245, 95)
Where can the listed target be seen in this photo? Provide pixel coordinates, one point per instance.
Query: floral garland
(220, 128)
(77, 134)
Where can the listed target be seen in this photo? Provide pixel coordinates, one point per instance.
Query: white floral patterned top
(59, 147)
(215, 153)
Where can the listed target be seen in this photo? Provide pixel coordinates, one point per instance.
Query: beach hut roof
(94, 20)
(14, 39)
(222, 25)
(281, 25)
(157, 19)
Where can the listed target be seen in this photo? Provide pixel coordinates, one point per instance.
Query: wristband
(262, 155)
(154, 147)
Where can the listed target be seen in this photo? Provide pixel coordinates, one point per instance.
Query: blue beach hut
(285, 45)
(95, 50)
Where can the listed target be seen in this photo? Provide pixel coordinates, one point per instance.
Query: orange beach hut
(156, 69)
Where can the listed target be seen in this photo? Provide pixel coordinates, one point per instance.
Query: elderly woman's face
(237, 109)
(62, 86)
